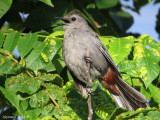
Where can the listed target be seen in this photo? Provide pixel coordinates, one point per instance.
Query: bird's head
(73, 20)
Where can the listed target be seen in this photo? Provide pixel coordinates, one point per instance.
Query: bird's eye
(73, 18)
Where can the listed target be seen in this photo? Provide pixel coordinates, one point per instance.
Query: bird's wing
(103, 50)
(81, 86)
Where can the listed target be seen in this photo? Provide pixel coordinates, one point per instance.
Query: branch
(90, 85)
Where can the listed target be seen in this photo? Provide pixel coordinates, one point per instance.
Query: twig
(90, 110)
(52, 99)
(29, 74)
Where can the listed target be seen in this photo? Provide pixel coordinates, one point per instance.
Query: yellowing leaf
(147, 59)
(119, 48)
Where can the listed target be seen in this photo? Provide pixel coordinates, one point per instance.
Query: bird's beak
(64, 19)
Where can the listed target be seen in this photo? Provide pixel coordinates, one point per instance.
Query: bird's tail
(128, 98)
(124, 95)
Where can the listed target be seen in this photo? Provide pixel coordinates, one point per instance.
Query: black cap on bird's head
(73, 20)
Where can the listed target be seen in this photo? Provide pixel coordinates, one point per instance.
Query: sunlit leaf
(153, 115)
(146, 57)
(154, 92)
(26, 43)
(121, 114)
(129, 67)
(44, 53)
(11, 41)
(119, 48)
(104, 40)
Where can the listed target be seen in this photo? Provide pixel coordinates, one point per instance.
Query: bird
(79, 39)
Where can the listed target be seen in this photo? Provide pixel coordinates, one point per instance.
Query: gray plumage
(79, 38)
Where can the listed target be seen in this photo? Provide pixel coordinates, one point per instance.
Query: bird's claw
(90, 91)
(88, 59)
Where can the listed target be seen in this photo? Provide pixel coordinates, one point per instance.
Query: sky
(145, 22)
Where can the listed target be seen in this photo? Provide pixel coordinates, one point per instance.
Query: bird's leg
(88, 61)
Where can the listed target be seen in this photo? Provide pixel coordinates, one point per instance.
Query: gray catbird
(78, 38)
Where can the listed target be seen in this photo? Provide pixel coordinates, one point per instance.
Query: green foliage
(37, 86)
(147, 53)
(4, 6)
(42, 54)
(11, 41)
(139, 114)
(40, 94)
(26, 43)
(119, 48)
(102, 4)
(48, 2)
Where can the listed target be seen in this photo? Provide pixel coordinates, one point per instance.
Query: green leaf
(58, 94)
(31, 114)
(91, 6)
(154, 115)
(11, 41)
(103, 4)
(26, 43)
(154, 92)
(34, 59)
(4, 6)
(11, 97)
(141, 117)
(48, 2)
(22, 83)
(58, 63)
(48, 118)
(54, 78)
(8, 66)
(103, 105)
(57, 33)
(44, 53)
(149, 1)
(40, 99)
(132, 81)
(49, 68)
(104, 40)
(119, 48)
(145, 92)
(122, 114)
(47, 111)
(1, 39)
(116, 112)
(129, 67)
(146, 56)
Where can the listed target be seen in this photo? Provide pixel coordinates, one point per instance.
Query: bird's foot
(90, 91)
(88, 59)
